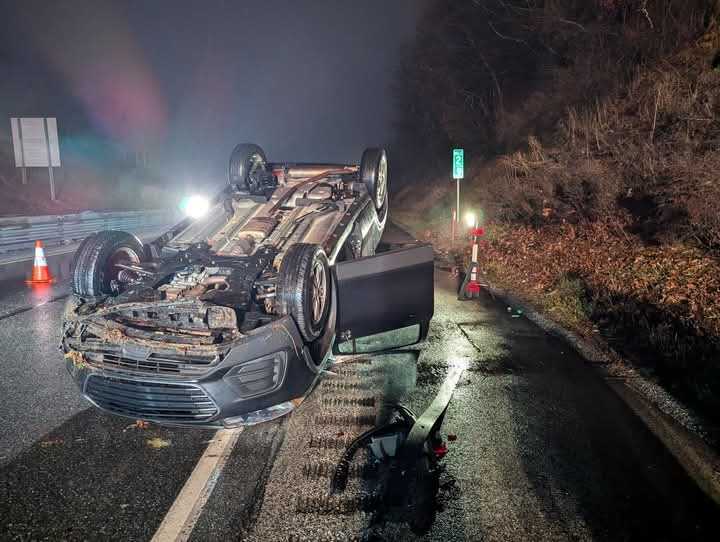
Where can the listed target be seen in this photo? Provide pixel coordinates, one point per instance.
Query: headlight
(195, 206)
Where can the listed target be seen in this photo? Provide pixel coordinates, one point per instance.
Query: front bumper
(261, 376)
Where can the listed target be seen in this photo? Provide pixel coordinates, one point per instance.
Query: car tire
(93, 265)
(79, 250)
(373, 173)
(303, 289)
(245, 159)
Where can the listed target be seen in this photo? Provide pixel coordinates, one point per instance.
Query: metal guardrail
(21, 232)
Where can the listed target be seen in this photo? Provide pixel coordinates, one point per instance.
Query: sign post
(35, 142)
(458, 169)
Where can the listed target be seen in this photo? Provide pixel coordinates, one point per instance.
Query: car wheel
(95, 261)
(79, 250)
(373, 173)
(246, 160)
(303, 290)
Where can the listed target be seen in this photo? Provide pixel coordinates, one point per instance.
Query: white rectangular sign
(35, 142)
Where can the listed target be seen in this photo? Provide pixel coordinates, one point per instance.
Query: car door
(384, 301)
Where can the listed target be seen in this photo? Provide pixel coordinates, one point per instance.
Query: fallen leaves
(157, 443)
(678, 278)
(77, 358)
(139, 424)
(51, 442)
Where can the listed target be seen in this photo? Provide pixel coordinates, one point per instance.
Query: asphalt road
(543, 448)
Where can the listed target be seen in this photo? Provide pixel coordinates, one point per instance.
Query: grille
(152, 363)
(151, 400)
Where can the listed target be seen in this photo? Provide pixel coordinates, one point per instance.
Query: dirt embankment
(611, 227)
(80, 185)
(76, 191)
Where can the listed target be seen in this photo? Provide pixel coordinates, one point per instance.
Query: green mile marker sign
(458, 163)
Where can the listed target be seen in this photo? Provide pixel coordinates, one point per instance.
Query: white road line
(185, 511)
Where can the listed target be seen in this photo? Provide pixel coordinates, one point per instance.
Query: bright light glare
(470, 219)
(195, 206)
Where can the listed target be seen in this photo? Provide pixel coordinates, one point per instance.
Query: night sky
(186, 80)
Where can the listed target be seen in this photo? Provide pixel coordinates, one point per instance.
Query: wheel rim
(254, 164)
(250, 165)
(381, 185)
(319, 291)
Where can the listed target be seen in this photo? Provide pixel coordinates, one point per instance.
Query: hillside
(600, 197)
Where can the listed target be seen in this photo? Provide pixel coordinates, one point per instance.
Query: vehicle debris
(406, 451)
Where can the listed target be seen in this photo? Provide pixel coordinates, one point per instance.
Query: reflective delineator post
(40, 270)
(471, 285)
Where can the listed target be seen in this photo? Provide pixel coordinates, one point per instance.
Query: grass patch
(568, 301)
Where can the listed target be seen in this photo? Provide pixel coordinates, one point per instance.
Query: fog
(186, 80)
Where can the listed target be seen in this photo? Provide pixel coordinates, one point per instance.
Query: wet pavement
(96, 477)
(542, 449)
(37, 392)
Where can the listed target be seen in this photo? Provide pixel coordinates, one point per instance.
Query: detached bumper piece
(169, 402)
(407, 451)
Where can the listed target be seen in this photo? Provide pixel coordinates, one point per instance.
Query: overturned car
(229, 317)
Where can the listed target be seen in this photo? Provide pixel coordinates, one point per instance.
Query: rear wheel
(96, 261)
(373, 173)
(303, 289)
(246, 161)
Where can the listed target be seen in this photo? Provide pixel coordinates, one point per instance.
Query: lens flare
(195, 206)
(471, 219)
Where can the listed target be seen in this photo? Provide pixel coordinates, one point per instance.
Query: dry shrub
(650, 152)
(486, 74)
(622, 119)
(667, 155)
(568, 300)
(540, 186)
(609, 221)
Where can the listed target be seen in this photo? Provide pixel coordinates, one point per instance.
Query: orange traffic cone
(40, 272)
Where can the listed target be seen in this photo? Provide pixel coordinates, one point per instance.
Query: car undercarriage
(228, 317)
